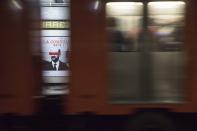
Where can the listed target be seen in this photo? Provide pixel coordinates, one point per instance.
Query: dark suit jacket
(49, 66)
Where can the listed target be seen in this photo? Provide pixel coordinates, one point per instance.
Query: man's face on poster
(55, 56)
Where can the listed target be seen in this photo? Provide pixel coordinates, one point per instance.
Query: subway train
(100, 64)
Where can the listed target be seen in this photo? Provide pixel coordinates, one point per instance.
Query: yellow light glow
(123, 5)
(17, 4)
(124, 8)
(166, 4)
(55, 24)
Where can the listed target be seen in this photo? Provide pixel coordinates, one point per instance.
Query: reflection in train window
(123, 20)
(166, 21)
(123, 27)
(146, 51)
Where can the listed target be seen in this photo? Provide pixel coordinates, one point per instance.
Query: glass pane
(123, 27)
(166, 23)
(146, 51)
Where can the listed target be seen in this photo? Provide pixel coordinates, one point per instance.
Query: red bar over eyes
(53, 53)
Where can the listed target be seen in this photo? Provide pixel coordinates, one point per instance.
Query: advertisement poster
(55, 39)
(55, 46)
(55, 52)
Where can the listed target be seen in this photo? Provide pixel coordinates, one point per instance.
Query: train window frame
(145, 27)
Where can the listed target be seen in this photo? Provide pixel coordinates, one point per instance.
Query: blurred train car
(132, 59)
(20, 70)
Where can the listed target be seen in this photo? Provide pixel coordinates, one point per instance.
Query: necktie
(55, 68)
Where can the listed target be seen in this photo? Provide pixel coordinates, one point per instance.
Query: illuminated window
(146, 53)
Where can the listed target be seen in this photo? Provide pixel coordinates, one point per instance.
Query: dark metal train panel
(90, 82)
(19, 77)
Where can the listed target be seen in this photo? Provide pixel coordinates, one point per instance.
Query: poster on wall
(55, 55)
(55, 39)
(55, 46)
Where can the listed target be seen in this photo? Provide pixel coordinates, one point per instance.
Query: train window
(123, 19)
(166, 22)
(146, 51)
(123, 27)
(55, 43)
